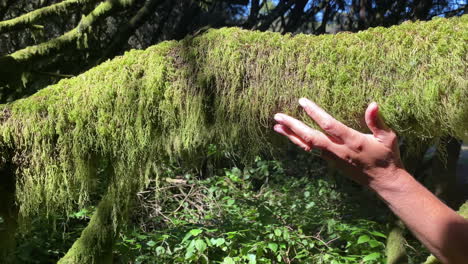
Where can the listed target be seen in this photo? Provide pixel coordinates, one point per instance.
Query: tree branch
(30, 18)
(127, 30)
(295, 16)
(280, 9)
(17, 61)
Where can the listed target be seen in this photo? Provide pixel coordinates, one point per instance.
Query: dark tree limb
(326, 16)
(295, 18)
(279, 10)
(127, 30)
(254, 10)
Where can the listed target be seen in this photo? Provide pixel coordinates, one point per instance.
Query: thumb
(375, 122)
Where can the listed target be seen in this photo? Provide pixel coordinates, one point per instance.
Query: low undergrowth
(270, 212)
(258, 214)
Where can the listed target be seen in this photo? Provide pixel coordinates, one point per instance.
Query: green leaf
(252, 258)
(372, 256)
(374, 243)
(363, 239)
(195, 232)
(273, 247)
(142, 237)
(228, 260)
(231, 202)
(278, 232)
(151, 243)
(310, 205)
(160, 250)
(200, 245)
(190, 250)
(217, 241)
(375, 233)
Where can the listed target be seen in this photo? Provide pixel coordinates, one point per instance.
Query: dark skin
(373, 160)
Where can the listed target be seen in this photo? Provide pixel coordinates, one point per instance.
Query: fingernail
(303, 102)
(278, 118)
(277, 128)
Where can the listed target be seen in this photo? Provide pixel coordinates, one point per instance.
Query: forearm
(438, 227)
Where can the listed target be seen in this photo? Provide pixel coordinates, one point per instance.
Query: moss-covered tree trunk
(174, 99)
(396, 249)
(97, 239)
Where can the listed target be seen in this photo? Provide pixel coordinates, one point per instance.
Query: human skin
(373, 160)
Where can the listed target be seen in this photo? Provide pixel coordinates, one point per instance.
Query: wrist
(394, 181)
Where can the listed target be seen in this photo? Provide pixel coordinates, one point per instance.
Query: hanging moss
(172, 100)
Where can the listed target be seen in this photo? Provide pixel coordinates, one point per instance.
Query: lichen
(169, 102)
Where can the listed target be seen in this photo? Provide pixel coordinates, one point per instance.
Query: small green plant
(257, 214)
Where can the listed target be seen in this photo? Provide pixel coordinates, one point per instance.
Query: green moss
(62, 8)
(174, 99)
(395, 249)
(77, 37)
(96, 240)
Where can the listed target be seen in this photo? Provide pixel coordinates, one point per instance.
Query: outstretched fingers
(295, 128)
(330, 125)
(285, 131)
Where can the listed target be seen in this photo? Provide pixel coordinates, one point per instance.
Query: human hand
(369, 159)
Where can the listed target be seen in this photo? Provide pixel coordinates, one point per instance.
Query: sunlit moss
(111, 127)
